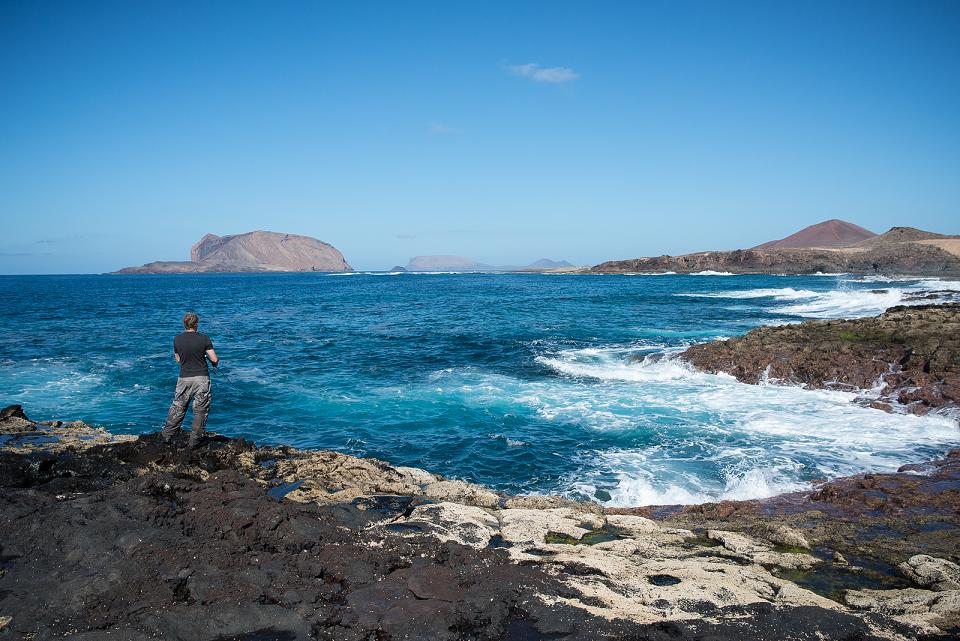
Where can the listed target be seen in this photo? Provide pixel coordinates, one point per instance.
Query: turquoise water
(527, 383)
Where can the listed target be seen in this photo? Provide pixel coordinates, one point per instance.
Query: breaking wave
(523, 383)
(851, 299)
(708, 437)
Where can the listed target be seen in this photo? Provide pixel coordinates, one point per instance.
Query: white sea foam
(709, 272)
(784, 436)
(644, 480)
(604, 365)
(777, 293)
(442, 273)
(846, 301)
(938, 284)
(649, 274)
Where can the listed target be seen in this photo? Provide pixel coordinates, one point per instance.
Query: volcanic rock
(930, 572)
(133, 539)
(256, 251)
(829, 233)
(911, 353)
(899, 251)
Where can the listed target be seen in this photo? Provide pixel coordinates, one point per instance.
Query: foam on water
(777, 293)
(649, 274)
(845, 303)
(717, 438)
(849, 299)
(524, 382)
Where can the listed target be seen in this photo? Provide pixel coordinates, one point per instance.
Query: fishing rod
(225, 379)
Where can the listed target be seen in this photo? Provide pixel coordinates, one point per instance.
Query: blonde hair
(190, 320)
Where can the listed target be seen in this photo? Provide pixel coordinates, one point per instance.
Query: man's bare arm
(212, 355)
(176, 357)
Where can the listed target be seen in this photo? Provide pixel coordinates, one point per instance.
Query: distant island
(830, 246)
(463, 264)
(255, 251)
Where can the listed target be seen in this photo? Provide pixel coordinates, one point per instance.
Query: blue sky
(505, 132)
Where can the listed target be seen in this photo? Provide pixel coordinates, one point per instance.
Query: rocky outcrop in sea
(255, 251)
(908, 357)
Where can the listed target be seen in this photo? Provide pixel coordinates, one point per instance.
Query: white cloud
(544, 74)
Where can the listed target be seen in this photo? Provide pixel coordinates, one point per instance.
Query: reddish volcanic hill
(829, 233)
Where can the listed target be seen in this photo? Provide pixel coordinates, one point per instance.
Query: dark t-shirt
(192, 348)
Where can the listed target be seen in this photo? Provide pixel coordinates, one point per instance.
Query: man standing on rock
(191, 349)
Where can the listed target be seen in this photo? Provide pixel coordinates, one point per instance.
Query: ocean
(528, 383)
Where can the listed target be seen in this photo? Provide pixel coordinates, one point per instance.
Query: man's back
(192, 348)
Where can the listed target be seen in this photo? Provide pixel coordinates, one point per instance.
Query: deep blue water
(524, 382)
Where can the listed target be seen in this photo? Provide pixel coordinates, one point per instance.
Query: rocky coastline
(108, 536)
(908, 357)
(902, 251)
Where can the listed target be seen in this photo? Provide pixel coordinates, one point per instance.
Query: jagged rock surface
(912, 354)
(132, 538)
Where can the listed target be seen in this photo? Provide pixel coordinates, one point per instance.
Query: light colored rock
(531, 526)
(787, 560)
(24, 436)
(5, 621)
(632, 525)
(464, 524)
(749, 548)
(656, 577)
(783, 535)
(331, 477)
(931, 572)
(461, 492)
(416, 476)
(549, 502)
(927, 610)
(737, 543)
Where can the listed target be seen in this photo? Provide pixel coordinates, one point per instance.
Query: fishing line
(225, 379)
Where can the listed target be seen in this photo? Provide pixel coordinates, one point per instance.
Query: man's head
(190, 321)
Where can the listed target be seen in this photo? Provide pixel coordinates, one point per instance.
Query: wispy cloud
(441, 129)
(57, 239)
(535, 72)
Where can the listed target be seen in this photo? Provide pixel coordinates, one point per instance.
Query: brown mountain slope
(903, 235)
(901, 251)
(829, 233)
(256, 251)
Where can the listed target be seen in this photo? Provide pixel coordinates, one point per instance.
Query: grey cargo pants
(197, 388)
